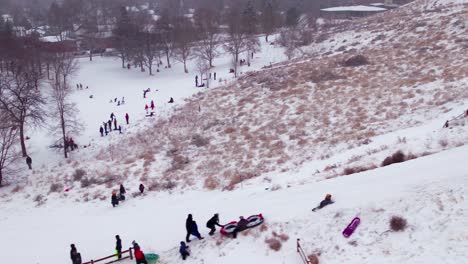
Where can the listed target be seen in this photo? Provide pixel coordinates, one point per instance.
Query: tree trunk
(142, 69)
(150, 68)
(168, 61)
(90, 56)
(123, 62)
(48, 71)
(23, 144)
(266, 38)
(62, 122)
(185, 66)
(211, 62)
(1, 176)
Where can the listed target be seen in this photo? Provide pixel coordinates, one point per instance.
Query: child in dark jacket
(184, 250)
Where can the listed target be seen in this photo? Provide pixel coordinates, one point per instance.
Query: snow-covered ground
(291, 131)
(430, 192)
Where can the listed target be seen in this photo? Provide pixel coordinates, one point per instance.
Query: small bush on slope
(397, 157)
(355, 61)
(78, 175)
(274, 244)
(55, 187)
(398, 223)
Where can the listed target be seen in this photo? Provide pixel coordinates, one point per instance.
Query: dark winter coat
(142, 188)
(114, 199)
(28, 160)
(190, 225)
(122, 189)
(242, 225)
(118, 244)
(101, 129)
(325, 202)
(183, 249)
(213, 221)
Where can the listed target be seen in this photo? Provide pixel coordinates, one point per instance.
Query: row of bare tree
(34, 77)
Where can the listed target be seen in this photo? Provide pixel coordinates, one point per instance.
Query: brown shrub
(40, 199)
(313, 259)
(398, 223)
(229, 130)
(397, 157)
(199, 141)
(352, 170)
(211, 183)
(16, 189)
(78, 175)
(357, 60)
(273, 244)
(55, 187)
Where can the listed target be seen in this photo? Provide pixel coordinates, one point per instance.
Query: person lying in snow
(325, 202)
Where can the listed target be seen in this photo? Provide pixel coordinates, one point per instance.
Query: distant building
(348, 12)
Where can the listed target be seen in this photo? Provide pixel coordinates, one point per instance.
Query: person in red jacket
(139, 256)
(127, 117)
(146, 108)
(152, 105)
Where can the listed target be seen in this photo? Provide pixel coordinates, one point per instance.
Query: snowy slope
(431, 192)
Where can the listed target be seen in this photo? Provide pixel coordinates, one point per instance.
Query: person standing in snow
(102, 131)
(118, 246)
(152, 105)
(126, 117)
(146, 109)
(139, 256)
(214, 75)
(192, 229)
(212, 223)
(114, 199)
(142, 188)
(112, 116)
(122, 192)
(325, 202)
(74, 255)
(171, 100)
(241, 226)
(29, 162)
(109, 124)
(115, 124)
(183, 250)
(196, 80)
(105, 127)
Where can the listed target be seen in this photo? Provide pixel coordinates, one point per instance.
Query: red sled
(349, 230)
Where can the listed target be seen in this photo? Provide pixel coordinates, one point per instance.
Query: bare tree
(206, 22)
(64, 65)
(203, 68)
(236, 41)
(151, 50)
(165, 31)
(21, 102)
(184, 36)
(8, 152)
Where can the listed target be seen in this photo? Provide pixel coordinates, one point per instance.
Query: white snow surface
(429, 192)
(357, 8)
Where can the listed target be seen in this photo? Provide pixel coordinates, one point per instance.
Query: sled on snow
(252, 221)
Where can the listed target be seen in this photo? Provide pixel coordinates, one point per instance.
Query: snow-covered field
(275, 141)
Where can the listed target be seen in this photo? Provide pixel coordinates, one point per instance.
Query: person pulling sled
(212, 223)
(192, 229)
(114, 199)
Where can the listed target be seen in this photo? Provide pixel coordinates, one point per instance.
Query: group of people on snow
(79, 86)
(202, 84)
(106, 127)
(116, 198)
